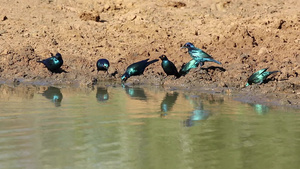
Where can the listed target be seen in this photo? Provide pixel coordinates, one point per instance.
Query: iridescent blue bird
(168, 66)
(198, 54)
(259, 77)
(102, 64)
(136, 69)
(53, 63)
(188, 66)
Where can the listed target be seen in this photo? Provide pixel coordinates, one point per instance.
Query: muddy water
(142, 127)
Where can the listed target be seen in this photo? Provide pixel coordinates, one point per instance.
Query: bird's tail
(216, 61)
(182, 73)
(177, 75)
(152, 61)
(273, 72)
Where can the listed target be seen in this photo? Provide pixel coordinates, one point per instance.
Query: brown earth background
(243, 35)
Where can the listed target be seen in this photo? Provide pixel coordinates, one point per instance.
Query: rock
(4, 18)
(2, 32)
(176, 4)
(107, 7)
(90, 16)
(263, 51)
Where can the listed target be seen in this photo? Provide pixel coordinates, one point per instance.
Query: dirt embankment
(244, 35)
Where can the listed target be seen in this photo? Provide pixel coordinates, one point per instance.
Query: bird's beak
(182, 47)
(123, 79)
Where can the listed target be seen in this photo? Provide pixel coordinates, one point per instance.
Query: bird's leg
(199, 68)
(162, 115)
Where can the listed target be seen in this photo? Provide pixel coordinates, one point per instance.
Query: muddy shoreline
(251, 95)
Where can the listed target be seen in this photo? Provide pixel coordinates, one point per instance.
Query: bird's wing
(199, 53)
(54, 60)
(173, 67)
(261, 71)
(205, 55)
(255, 76)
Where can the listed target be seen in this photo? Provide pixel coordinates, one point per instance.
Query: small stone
(176, 4)
(2, 32)
(106, 7)
(288, 102)
(90, 16)
(132, 17)
(54, 42)
(263, 51)
(4, 18)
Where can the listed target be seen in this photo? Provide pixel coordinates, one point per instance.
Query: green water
(142, 127)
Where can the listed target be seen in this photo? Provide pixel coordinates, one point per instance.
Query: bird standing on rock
(102, 64)
(168, 66)
(198, 54)
(188, 66)
(136, 69)
(53, 63)
(259, 77)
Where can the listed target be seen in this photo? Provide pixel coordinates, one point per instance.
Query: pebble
(4, 18)
(90, 16)
(263, 51)
(2, 32)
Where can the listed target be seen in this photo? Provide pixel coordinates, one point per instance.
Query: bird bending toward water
(168, 66)
(198, 54)
(136, 69)
(102, 64)
(259, 77)
(188, 66)
(53, 63)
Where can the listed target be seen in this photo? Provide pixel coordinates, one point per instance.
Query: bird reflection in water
(135, 92)
(260, 109)
(102, 94)
(53, 94)
(168, 102)
(198, 114)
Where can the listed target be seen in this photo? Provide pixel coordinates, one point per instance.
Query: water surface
(142, 127)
